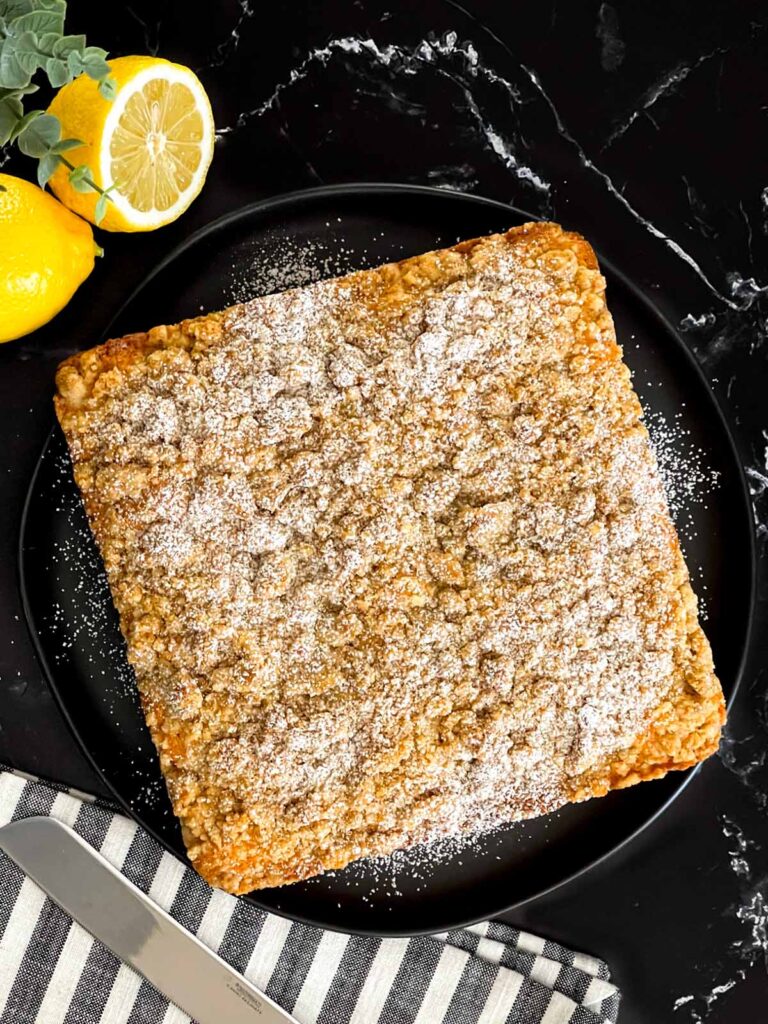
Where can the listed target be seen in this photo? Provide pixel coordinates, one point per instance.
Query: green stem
(89, 180)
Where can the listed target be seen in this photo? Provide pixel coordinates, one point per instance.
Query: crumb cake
(392, 557)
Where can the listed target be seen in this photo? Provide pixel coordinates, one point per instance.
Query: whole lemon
(46, 252)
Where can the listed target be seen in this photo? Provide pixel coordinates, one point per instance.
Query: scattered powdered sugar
(688, 479)
(280, 262)
(412, 869)
(84, 614)
(80, 632)
(379, 563)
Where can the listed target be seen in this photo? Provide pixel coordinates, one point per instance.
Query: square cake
(392, 557)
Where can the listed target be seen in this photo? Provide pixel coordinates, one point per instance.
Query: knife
(134, 928)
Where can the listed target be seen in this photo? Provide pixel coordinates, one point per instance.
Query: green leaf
(38, 22)
(47, 41)
(12, 99)
(108, 88)
(80, 178)
(21, 124)
(57, 72)
(66, 144)
(21, 91)
(45, 167)
(75, 63)
(101, 208)
(31, 38)
(68, 44)
(94, 62)
(27, 52)
(12, 74)
(10, 112)
(14, 8)
(38, 137)
(94, 53)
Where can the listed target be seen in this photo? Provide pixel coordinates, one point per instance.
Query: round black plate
(324, 232)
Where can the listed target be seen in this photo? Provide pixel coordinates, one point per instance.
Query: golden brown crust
(684, 728)
(449, 448)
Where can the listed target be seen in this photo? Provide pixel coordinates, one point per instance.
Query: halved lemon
(152, 144)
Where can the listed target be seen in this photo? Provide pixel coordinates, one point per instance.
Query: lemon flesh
(46, 252)
(153, 143)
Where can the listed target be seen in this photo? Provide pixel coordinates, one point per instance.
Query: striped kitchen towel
(51, 970)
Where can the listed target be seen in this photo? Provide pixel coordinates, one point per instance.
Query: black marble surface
(642, 125)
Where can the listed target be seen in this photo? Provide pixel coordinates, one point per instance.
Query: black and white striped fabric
(53, 972)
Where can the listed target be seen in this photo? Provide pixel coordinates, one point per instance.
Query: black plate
(271, 245)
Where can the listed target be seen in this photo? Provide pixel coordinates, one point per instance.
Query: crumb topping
(391, 553)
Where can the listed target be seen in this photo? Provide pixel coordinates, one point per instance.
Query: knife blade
(134, 928)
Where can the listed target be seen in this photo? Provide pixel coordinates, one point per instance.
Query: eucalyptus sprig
(32, 39)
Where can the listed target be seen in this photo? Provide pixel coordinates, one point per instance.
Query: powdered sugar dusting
(81, 619)
(281, 262)
(90, 608)
(689, 482)
(387, 570)
(688, 479)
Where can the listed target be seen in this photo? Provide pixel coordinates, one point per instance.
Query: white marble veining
(750, 911)
(227, 47)
(692, 323)
(458, 177)
(462, 62)
(747, 862)
(587, 162)
(666, 85)
(757, 477)
(408, 61)
(701, 1005)
(150, 31)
